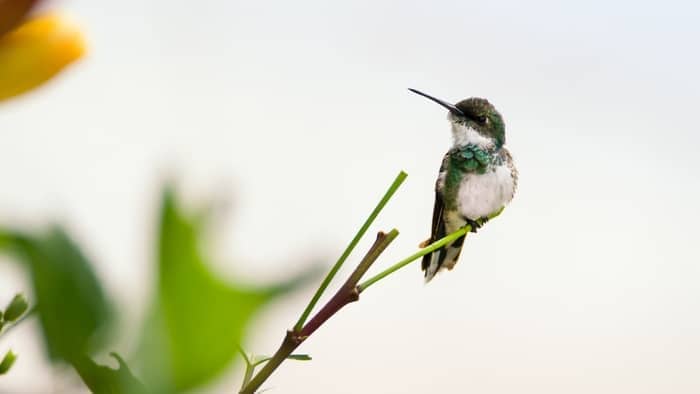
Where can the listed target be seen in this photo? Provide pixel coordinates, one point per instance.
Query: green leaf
(7, 362)
(197, 320)
(16, 308)
(104, 380)
(71, 305)
(299, 357)
(257, 360)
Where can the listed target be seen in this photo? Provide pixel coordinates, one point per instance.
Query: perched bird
(477, 177)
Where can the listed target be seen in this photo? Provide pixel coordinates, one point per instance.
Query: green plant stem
(249, 367)
(11, 325)
(346, 294)
(348, 291)
(331, 274)
(428, 249)
(288, 345)
(262, 361)
(422, 252)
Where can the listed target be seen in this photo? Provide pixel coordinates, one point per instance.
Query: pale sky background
(298, 111)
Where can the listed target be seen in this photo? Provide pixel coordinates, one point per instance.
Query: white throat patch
(464, 135)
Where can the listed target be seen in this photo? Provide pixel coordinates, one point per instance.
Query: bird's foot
(425, 243)
(476, 224)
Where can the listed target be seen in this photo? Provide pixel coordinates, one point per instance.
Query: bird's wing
(438, 231)
(438, 226)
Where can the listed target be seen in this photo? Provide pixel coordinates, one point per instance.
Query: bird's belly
(482, 194)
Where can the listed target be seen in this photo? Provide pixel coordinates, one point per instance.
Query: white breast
(482, 194)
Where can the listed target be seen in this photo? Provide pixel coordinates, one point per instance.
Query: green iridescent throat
(470, 158)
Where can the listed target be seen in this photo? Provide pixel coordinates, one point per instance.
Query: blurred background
(297, 115)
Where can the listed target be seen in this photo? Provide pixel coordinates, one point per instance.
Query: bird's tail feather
(445, 257)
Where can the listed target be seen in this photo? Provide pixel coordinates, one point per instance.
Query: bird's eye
(481, 119)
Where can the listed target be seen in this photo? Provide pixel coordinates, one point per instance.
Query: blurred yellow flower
(35, 51)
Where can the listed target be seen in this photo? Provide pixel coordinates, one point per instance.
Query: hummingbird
(477, 177)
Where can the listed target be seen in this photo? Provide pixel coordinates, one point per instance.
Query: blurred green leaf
(7, 362)
(104, 380)
(16, 308)
(71, 304)
(197, 320)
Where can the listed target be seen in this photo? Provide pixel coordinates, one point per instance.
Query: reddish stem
(346, 294)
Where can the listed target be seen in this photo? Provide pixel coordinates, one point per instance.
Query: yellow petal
(36, 51)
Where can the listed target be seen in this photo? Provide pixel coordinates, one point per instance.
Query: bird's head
(474, 121)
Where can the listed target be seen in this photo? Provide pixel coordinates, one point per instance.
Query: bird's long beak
(450, 107)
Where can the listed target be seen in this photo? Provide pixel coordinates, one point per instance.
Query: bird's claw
(476, 224)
